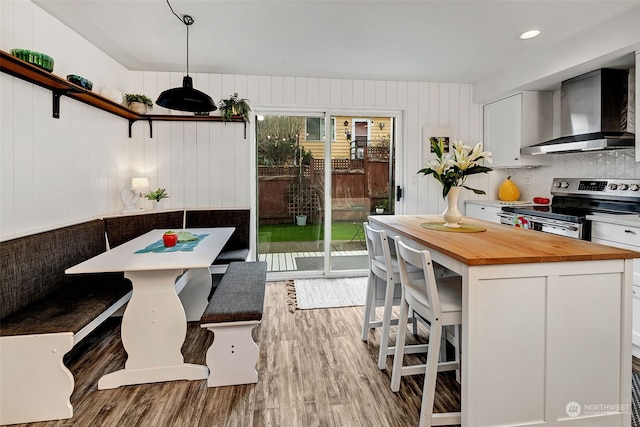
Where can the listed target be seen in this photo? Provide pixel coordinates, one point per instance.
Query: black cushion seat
(227, 257)
(240, 294)
(237, 248)
(69, 309)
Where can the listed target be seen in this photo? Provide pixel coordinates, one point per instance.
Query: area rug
(306, 294)
(350, 262)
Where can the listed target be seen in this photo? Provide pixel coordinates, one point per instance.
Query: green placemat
(464, 228)
(159, 247)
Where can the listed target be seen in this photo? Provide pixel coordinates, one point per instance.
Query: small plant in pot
(138, 103)
(157, 197)
(234, 106)
(381, 206)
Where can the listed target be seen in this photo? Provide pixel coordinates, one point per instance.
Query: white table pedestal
(153, 330)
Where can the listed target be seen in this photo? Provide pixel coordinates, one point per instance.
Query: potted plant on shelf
(234, 106)
(157, 196)
(381, 206)
(138, 103)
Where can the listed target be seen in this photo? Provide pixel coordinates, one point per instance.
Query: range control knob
(613, 186)
(623, 187)
(564, 184)
(634, 187)
(556, 184)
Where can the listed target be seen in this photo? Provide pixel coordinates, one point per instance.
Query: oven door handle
(561, 226)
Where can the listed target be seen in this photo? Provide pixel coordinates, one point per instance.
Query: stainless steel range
(574, 199)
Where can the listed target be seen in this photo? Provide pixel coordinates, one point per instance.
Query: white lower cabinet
(636, 321)
(627, 237)
(483, 211)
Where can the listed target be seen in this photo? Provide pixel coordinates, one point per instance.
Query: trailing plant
(134, 97)
(158, 195)
(232, 106)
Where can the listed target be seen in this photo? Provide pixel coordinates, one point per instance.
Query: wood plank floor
(313, 371)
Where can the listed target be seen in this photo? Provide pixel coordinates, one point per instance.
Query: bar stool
(383, 268)
(440, 303)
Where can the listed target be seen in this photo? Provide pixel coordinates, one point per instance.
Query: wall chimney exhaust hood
(594, 115)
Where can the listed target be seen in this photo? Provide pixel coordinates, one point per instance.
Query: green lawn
(295, 233)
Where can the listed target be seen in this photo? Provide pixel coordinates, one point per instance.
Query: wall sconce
(381, 125)
(348, 134)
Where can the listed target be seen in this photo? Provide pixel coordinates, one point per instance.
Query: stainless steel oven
(547, 225)
(574, 199)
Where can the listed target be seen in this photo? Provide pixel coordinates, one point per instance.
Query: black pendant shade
(186, 98)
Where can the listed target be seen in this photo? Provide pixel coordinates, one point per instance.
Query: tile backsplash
(603, 164)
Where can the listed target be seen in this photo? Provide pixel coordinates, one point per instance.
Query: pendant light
(186, 98)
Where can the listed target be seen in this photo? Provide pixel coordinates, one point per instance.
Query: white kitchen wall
(604, 164)
(56, 171)
(208, 165)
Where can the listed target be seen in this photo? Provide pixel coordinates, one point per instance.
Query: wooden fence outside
(355, 184)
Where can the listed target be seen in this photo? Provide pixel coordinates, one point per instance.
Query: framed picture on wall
(448, 134)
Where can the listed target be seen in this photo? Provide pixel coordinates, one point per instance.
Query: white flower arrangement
(453, 169)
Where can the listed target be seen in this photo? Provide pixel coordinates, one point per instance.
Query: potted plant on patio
(381, 206)
(302, 196)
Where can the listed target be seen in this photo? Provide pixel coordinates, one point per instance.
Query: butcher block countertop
(499, 244)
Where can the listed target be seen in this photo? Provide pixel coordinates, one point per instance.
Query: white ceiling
(436, 41)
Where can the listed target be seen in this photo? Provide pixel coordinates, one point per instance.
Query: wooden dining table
(546, 321)
(170, 286)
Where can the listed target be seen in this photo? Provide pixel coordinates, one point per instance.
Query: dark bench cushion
(69, 309)
(237, 248)
(240, 294)
(124, 228)
(33, 266)
(226, 257)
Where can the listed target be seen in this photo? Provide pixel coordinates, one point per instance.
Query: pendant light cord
(186, 20)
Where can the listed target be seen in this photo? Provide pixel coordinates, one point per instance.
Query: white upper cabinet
(517, 121)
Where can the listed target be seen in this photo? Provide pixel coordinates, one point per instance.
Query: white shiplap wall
(57, 171)
(206, 165)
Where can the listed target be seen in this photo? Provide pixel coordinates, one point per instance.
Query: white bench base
(34, 383)
(233, 355)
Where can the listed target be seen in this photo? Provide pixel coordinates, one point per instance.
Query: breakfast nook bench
(44, 314)
(234, 310)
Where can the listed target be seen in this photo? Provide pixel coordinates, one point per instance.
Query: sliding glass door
(319, 177)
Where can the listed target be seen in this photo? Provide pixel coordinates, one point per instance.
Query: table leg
(195, 295)
(154, 327)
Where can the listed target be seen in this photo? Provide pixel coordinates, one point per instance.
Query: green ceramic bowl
(36, 58)
(80, 81)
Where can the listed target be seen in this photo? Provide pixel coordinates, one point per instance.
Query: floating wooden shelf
(18, 68)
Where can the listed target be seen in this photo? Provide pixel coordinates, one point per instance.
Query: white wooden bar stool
(383, 269)
(440, 303)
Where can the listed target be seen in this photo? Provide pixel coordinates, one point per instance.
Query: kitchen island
(546, 336)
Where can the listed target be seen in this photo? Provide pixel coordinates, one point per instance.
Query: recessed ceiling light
(529, 34)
